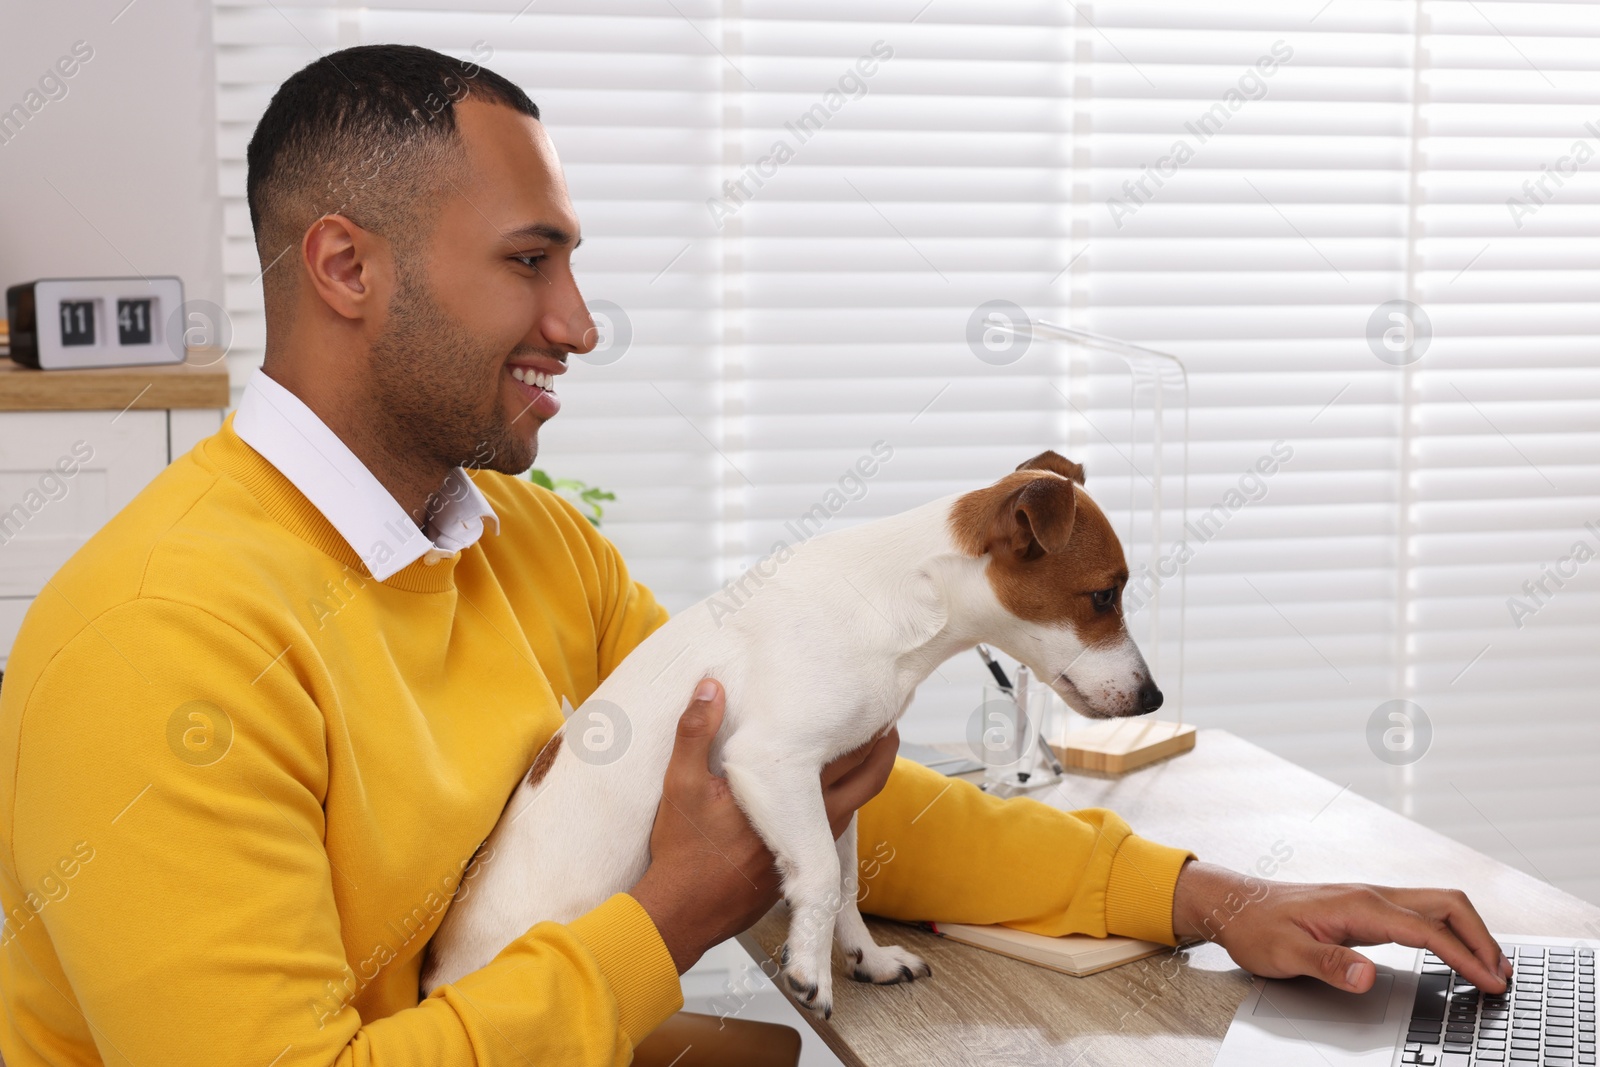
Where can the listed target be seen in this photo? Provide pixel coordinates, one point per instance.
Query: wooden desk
(1229, 802)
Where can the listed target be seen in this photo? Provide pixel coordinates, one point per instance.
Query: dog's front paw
(888, 965)
(812, 988)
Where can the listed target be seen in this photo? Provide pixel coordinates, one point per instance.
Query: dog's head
(1057, 569)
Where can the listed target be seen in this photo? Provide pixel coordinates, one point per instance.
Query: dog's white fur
(822, 657)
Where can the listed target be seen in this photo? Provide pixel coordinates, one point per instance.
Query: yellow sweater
(240, 779)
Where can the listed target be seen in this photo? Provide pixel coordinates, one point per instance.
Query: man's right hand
(711, 876)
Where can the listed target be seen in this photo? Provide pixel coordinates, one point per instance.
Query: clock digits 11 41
(61, 323)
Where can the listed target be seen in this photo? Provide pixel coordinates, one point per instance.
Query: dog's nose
(1149, 697)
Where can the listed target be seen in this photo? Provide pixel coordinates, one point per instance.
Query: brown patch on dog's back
(1036, 574)
(544, 760)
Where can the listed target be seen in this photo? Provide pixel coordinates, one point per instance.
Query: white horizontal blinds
(1241, 183)
(1376, 166)
(256, 49)
(1504, 602)
(923, 172)
(929, 187)
(1248, 170)
(630, 95)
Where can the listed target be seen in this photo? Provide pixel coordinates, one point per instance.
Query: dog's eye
(1104, 599)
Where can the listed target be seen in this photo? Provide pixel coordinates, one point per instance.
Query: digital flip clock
(62, 323)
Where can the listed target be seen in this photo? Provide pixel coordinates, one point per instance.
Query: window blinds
(794, 214)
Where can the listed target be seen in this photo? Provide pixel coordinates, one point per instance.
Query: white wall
(129, 148)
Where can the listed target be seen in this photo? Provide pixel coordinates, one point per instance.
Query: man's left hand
(1284, 929)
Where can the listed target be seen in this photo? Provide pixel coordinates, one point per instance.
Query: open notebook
(1074, 954)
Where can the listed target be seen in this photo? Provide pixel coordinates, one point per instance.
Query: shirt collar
(291, 437)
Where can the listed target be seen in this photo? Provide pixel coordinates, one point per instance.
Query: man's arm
(208, 918)
(939, 848)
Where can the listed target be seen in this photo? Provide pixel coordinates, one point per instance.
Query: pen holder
(1007, 738)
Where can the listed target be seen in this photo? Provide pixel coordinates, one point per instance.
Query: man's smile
(534, 380)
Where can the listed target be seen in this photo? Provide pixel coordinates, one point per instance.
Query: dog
(822, 657)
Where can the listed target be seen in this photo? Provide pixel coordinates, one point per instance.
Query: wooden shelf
(202, 382)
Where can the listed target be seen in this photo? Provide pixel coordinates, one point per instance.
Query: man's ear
(1036, 519)
(1054, 461)
(342, 261)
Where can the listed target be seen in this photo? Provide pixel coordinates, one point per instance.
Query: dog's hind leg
(783, 801)
(869, 961)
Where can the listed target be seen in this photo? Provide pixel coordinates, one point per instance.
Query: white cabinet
(85, 446)
(46, 513)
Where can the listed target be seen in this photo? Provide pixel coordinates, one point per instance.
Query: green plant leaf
(585, 497)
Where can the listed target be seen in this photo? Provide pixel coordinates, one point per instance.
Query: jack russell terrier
(823, 658)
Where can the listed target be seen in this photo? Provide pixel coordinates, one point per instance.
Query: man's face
(489, 299)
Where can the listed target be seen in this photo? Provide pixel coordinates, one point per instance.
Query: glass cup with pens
(1008, 735)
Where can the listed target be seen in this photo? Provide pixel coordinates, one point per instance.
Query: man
(255, 730)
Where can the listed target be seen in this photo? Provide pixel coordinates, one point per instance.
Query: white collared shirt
(291, 437)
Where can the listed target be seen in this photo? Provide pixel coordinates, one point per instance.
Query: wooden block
(1117, 746)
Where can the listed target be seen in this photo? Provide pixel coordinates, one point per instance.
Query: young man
(254, 731)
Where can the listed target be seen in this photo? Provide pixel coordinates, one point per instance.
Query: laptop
(1420, 1012)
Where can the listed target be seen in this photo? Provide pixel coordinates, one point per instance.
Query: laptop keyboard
(1546, 1017)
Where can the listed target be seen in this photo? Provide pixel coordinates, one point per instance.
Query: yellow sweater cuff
(1144, 876)
(630, 953)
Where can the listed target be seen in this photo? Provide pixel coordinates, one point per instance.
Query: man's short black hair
(369, 133)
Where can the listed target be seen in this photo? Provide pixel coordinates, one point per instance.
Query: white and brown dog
(823, 658)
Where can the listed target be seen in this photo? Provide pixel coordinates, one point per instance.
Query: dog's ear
(1054, 461)
(1020, 517)
(1044, 513)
